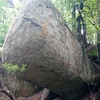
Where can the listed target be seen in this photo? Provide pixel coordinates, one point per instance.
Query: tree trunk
(55, 59)
(98, 31)
(74, 16)
(84, 34)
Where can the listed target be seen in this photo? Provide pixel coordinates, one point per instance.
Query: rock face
(17, 86)
(40, 38)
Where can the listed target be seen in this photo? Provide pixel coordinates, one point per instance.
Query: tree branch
(9, 95)
(93, 24)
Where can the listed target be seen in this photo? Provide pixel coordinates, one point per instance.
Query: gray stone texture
(40, 38)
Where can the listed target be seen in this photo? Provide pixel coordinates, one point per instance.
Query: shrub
(14, 67)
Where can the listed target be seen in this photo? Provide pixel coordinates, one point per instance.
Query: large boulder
(40, 38)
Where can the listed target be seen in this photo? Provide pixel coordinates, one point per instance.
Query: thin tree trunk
(98, 31)
(74, 16)
(84, 34)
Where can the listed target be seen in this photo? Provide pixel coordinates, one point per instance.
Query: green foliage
(7, 15)
(89, 13)
(98, 42)
(2, 37)
(92, 15)
(14, 67)
(93, 52)
(65, 7)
